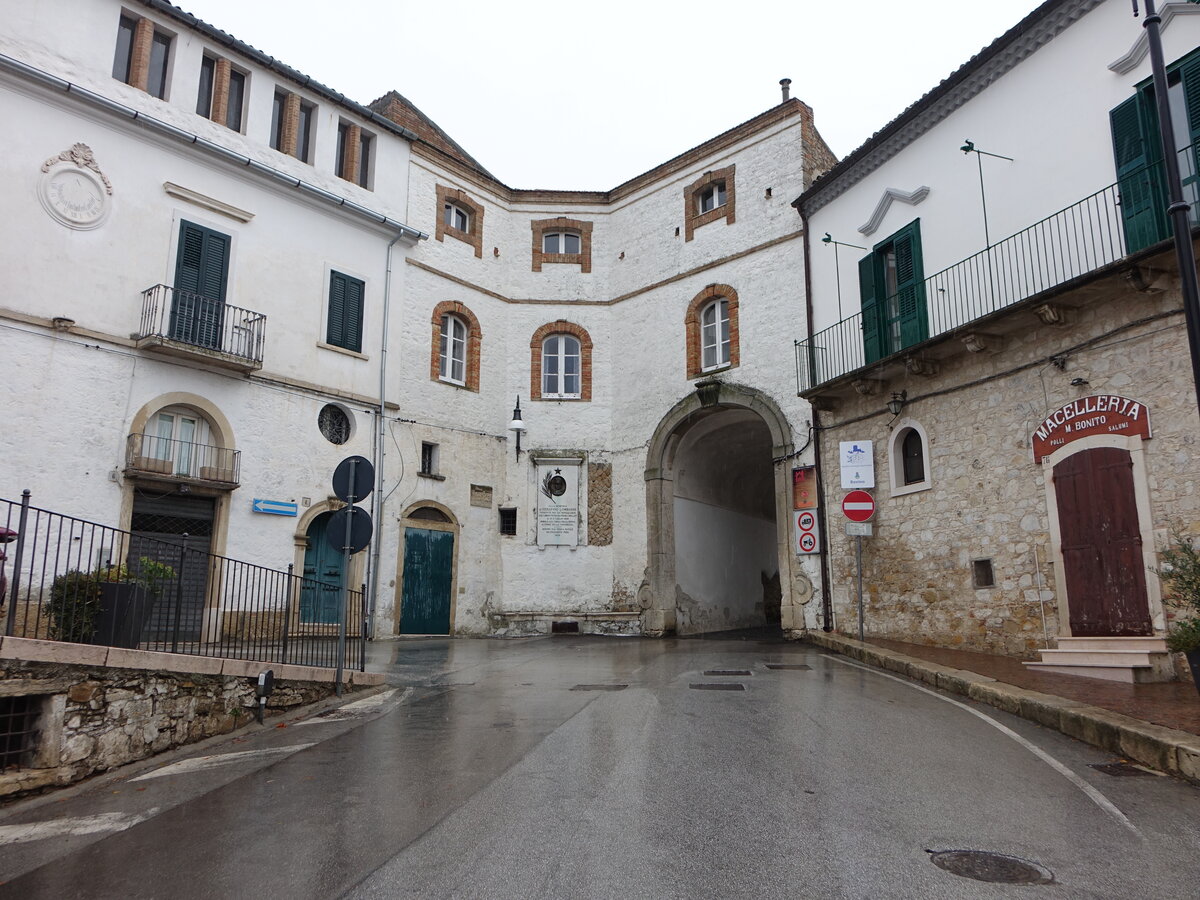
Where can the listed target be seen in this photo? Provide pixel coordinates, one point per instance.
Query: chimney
(786, 85)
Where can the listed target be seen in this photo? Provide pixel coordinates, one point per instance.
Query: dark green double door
(321, 590)
(428, 576)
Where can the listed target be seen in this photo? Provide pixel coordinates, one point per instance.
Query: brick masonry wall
(987, 498)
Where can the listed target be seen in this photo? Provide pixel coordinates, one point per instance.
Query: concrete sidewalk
(1098, 713)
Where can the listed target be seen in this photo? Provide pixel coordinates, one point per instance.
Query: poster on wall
(804, 487)
(857, 463)
(557, 502)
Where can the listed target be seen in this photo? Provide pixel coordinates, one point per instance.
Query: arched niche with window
(710, 197)
(456, 343)
(459, 217)
(908, 458)
(560, 362)
(711, 323)
(182, 436)
(562, 240)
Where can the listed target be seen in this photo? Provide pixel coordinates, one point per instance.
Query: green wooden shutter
(1140, 187)
(910, 287)
(344, 328)
(1189, 74)
(872, 346)
(201, 274)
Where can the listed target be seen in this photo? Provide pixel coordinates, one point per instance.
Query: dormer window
(560, 242)
(711, 197)
(454, 216)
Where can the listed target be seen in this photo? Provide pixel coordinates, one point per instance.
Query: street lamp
(516, 425)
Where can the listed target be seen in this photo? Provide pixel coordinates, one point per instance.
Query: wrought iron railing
(154, 455)
(1072, 242)
(68, 579)
(187, 318)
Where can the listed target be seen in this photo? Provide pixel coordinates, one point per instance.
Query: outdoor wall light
(516, 425)
(967, 147)
(1078, 382)
(897, 402)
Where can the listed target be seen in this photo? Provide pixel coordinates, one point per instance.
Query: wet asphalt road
(489, 773)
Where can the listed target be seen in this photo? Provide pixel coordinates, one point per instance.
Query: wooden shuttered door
(1139, 185)
(873, 348)
(892, 287)
(344, 328)
(201, 273)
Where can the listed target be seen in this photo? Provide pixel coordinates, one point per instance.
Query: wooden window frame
(694, 332)
(474, 344)
(541, 228)
(474, 233)
(537, 342)
(693, 217)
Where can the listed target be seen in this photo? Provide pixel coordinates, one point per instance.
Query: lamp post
(517, 426)
(1178, 209)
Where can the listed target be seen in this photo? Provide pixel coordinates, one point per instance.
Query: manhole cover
(796, 667)
(996, 868)
(717, 686)
(599, 687)
(728, 672)
(1118, 768)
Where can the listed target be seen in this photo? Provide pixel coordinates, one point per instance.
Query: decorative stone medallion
(73, 190)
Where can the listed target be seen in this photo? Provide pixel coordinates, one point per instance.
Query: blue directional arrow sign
(274, 507)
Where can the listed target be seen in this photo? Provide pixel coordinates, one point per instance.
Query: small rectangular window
(208, 74)
(304, 128)
(236, 99)
(429, 458)
(160, 52)
(277, 110)
(508, 521)
(984, 577)
(18, 730)
(343, 137)
(344, 324)
(364, 160)
(123, 59)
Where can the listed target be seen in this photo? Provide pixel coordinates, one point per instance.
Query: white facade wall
(1050, 113)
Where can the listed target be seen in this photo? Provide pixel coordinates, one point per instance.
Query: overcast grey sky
(583, 96)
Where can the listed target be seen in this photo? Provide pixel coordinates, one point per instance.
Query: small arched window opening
(453, 352)
(429, 514)
(178, 436)
(912, 457)
(561, 367)
(714, 335)
(454, 216)
(908, 452)
(561, 242)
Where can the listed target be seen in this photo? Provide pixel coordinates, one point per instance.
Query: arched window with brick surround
(560, 362)
(459, 217)
(562, 240)
(710, 197)
(711, 324)
(455, 346)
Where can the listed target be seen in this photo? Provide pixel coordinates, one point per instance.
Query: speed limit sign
(807, 531)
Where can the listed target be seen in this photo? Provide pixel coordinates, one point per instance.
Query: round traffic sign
(808, 542)
(806, 521)
(858, 506)
(360, 528)
(353, 477)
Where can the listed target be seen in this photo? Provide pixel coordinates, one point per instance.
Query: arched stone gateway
(718, 508)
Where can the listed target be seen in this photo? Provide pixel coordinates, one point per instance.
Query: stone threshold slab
(1166, 749)
(31, 650)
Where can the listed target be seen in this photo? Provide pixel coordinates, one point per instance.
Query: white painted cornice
(912, 198)
(1141, 46)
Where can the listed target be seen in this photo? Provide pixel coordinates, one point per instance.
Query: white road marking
(200, 763)
(1096, 797)
(354, 710)
(38, 831)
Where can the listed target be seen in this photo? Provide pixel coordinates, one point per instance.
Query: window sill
(454, 384)
(431, 475)
(553, 399)
(343, 351)
(901, 490)
(704, 373)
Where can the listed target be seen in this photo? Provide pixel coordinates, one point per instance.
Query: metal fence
(153, 454)
(68, 579)
(1072, 242)
(198, 321)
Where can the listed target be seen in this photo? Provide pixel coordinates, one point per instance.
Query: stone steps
(1134, 660)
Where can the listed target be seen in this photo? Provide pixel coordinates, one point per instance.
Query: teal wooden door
(428, 564)
(321, 591)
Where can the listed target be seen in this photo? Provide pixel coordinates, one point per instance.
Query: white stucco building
(225, 278)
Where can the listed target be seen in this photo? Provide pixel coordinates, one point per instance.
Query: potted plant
(1180, 573)
(109, 605)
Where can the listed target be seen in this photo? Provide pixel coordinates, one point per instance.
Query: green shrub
(1180, 574)
(1184, 636)
(74, 604)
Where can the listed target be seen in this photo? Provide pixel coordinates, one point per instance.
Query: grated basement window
(508, 521)
(18, 729)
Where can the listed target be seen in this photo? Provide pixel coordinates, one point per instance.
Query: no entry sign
(858, 506)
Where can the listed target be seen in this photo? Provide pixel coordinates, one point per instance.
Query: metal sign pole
(341, 658)
(858, 557)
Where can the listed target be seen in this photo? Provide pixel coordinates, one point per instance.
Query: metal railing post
(178, 597)
(287, 611)
(362, 644)
(11, 624)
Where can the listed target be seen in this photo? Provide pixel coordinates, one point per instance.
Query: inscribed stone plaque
(558, 502)
(481, 495)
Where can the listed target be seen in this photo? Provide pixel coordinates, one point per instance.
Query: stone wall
(987, 498)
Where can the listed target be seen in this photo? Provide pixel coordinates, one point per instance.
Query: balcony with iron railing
(1064, 248)
(182, 323)
(167, 459)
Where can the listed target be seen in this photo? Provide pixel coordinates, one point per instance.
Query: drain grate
(996, 868)
(599, 687)
(728, 673)
(796, 667)
(1118, 768)
(717, 686)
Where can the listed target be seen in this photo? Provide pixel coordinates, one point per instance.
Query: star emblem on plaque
(558, 501)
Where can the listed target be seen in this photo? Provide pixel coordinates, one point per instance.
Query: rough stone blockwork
(90, 719)
(600, 504)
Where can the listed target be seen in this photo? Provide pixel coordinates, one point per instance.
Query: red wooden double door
(1101, 544)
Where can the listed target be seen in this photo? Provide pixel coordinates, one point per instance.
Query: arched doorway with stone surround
(718, 516)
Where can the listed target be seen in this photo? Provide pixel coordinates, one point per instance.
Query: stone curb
(1165, 749)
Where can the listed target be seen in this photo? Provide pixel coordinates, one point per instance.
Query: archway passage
(726, 549)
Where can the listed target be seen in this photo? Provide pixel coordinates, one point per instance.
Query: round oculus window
(334, 424)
